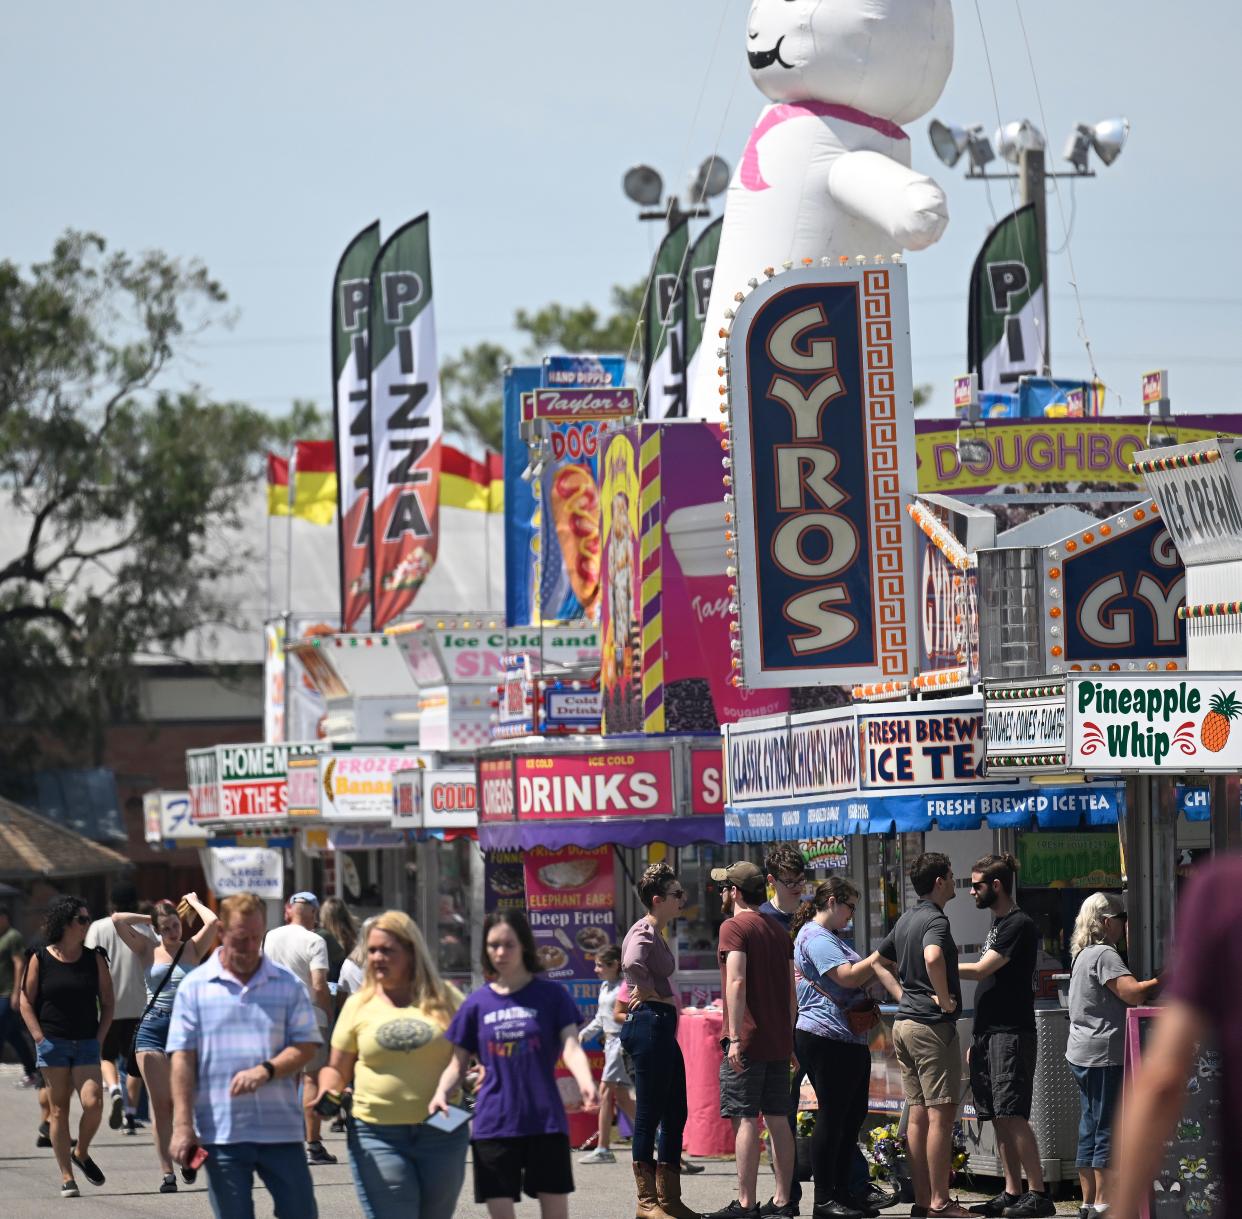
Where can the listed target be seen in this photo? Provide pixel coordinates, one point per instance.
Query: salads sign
(1167, 722)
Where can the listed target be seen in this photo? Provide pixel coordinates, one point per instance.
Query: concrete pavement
(30, 1181)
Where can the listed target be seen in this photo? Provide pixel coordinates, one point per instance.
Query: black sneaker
(169, 1184)
(835, 1210)
(90, 1170)
(132, 1124)
(770, 1208)
(189, 1175)
(116, 1114)
(995, 1206)
(69, 1189)
(1030, 1206)
(45, 1135)
(735, 1210)
(317, 1153)
(689, 1169)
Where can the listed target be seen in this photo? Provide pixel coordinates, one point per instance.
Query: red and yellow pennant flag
(314, 482)
(466, 483)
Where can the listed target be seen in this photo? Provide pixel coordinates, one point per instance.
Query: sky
(259, 138)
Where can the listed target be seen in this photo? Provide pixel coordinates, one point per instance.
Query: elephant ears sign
(820, 466)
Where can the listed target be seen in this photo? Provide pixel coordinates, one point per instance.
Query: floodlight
(1108, 138)
(643, 185)
(948, 141)
(711, 178)
(1013, 139)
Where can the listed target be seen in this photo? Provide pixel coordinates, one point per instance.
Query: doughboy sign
(822, 458)
(1171, 722)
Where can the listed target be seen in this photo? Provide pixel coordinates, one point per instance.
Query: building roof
(34, 847)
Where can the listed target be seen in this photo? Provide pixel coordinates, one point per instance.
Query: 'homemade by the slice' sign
(241, 782)
(1166, 722)
(822, 461)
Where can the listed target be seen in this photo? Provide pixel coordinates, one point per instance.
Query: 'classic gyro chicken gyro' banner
(819, 467)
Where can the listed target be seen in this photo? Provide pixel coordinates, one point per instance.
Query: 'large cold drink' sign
(822, 462)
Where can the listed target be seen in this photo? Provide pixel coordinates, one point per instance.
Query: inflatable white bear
(826, 171)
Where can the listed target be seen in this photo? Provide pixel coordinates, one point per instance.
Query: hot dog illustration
(575, 511)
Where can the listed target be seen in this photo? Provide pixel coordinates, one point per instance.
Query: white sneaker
(601, 1155)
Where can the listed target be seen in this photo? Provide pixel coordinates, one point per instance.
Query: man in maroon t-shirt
(1203, 999)
(760, 1007)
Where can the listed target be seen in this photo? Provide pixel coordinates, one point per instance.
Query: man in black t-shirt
(1002, 1051)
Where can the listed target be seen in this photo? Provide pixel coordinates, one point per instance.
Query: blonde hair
(1089, 925)
(241, 905)
(427, 988)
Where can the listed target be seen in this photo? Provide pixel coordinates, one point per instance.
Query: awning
(621, 831)
(951, 809)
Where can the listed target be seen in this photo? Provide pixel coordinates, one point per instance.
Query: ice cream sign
(1166, 722)
(820, 458)
(908, 746)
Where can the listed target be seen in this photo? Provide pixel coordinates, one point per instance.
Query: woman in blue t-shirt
(830, 976)
(517, 1026)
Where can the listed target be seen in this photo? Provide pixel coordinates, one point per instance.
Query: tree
(471, 381)
(120, 492)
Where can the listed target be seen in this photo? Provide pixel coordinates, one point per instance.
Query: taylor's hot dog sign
(821, 463)
(908, 746)
(606, 784)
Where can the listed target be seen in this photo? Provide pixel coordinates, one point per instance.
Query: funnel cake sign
(822, 460)
(1168, 722)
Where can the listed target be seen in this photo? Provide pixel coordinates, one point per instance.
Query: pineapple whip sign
(1170, 723)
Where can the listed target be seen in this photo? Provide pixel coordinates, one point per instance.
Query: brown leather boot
(645, 1185)
(668, 1192)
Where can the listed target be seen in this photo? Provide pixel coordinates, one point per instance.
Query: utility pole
(1032, 172)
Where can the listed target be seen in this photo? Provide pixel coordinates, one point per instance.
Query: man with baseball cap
(760, 1005)
(297, 948)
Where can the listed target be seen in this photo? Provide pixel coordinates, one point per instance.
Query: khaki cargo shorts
(930, 1057)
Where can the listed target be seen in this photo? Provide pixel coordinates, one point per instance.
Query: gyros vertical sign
(822, 462)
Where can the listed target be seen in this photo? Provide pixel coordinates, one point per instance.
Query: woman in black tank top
(66, 1001)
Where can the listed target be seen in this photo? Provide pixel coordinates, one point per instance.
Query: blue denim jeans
(13, 1031)
(1098, 1091)
(281, 1167)
(649, 1037)
(401, 1171)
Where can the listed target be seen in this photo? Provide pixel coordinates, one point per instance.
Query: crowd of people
(246, 1047)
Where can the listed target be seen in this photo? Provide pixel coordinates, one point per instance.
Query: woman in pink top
(649, 1037)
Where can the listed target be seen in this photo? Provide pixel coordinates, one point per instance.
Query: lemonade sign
(1169, 722)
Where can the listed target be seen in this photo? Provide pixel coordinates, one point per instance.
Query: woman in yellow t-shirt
(389, 1039)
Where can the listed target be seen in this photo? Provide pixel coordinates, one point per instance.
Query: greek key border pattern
(888, 560)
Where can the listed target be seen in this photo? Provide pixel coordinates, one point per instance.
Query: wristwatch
(271, 1070)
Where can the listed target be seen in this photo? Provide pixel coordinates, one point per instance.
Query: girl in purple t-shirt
(518, 1026)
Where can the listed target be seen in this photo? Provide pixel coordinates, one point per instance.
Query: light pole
(1022, 144)
(644, 186)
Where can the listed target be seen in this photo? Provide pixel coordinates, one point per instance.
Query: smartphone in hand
(199, 1158)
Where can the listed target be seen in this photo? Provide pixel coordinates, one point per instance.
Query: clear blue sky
(260, 137)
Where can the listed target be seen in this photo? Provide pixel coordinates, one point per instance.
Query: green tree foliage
(118, 488)
(470, 382)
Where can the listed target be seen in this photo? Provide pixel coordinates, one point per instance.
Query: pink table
(698, 1034)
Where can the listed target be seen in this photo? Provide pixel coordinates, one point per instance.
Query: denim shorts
(60, 1052)
(153, 1031)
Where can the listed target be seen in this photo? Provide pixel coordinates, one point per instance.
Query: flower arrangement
(806, 1123)
(886, 1151)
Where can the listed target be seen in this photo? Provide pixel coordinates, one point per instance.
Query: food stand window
(698, 929)
(454, 863)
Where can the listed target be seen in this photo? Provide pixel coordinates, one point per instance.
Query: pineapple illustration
(1214, 732)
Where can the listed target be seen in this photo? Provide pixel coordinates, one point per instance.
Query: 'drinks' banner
(700, 268)
(351, 418)
(664, 363)
(1006, 312)
(406, 422)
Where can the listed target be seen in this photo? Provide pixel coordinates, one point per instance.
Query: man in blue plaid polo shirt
(242, 1031)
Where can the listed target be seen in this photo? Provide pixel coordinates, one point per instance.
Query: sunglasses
(83, 919)
(679, 892)
(1122, 917)
(851, 906)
